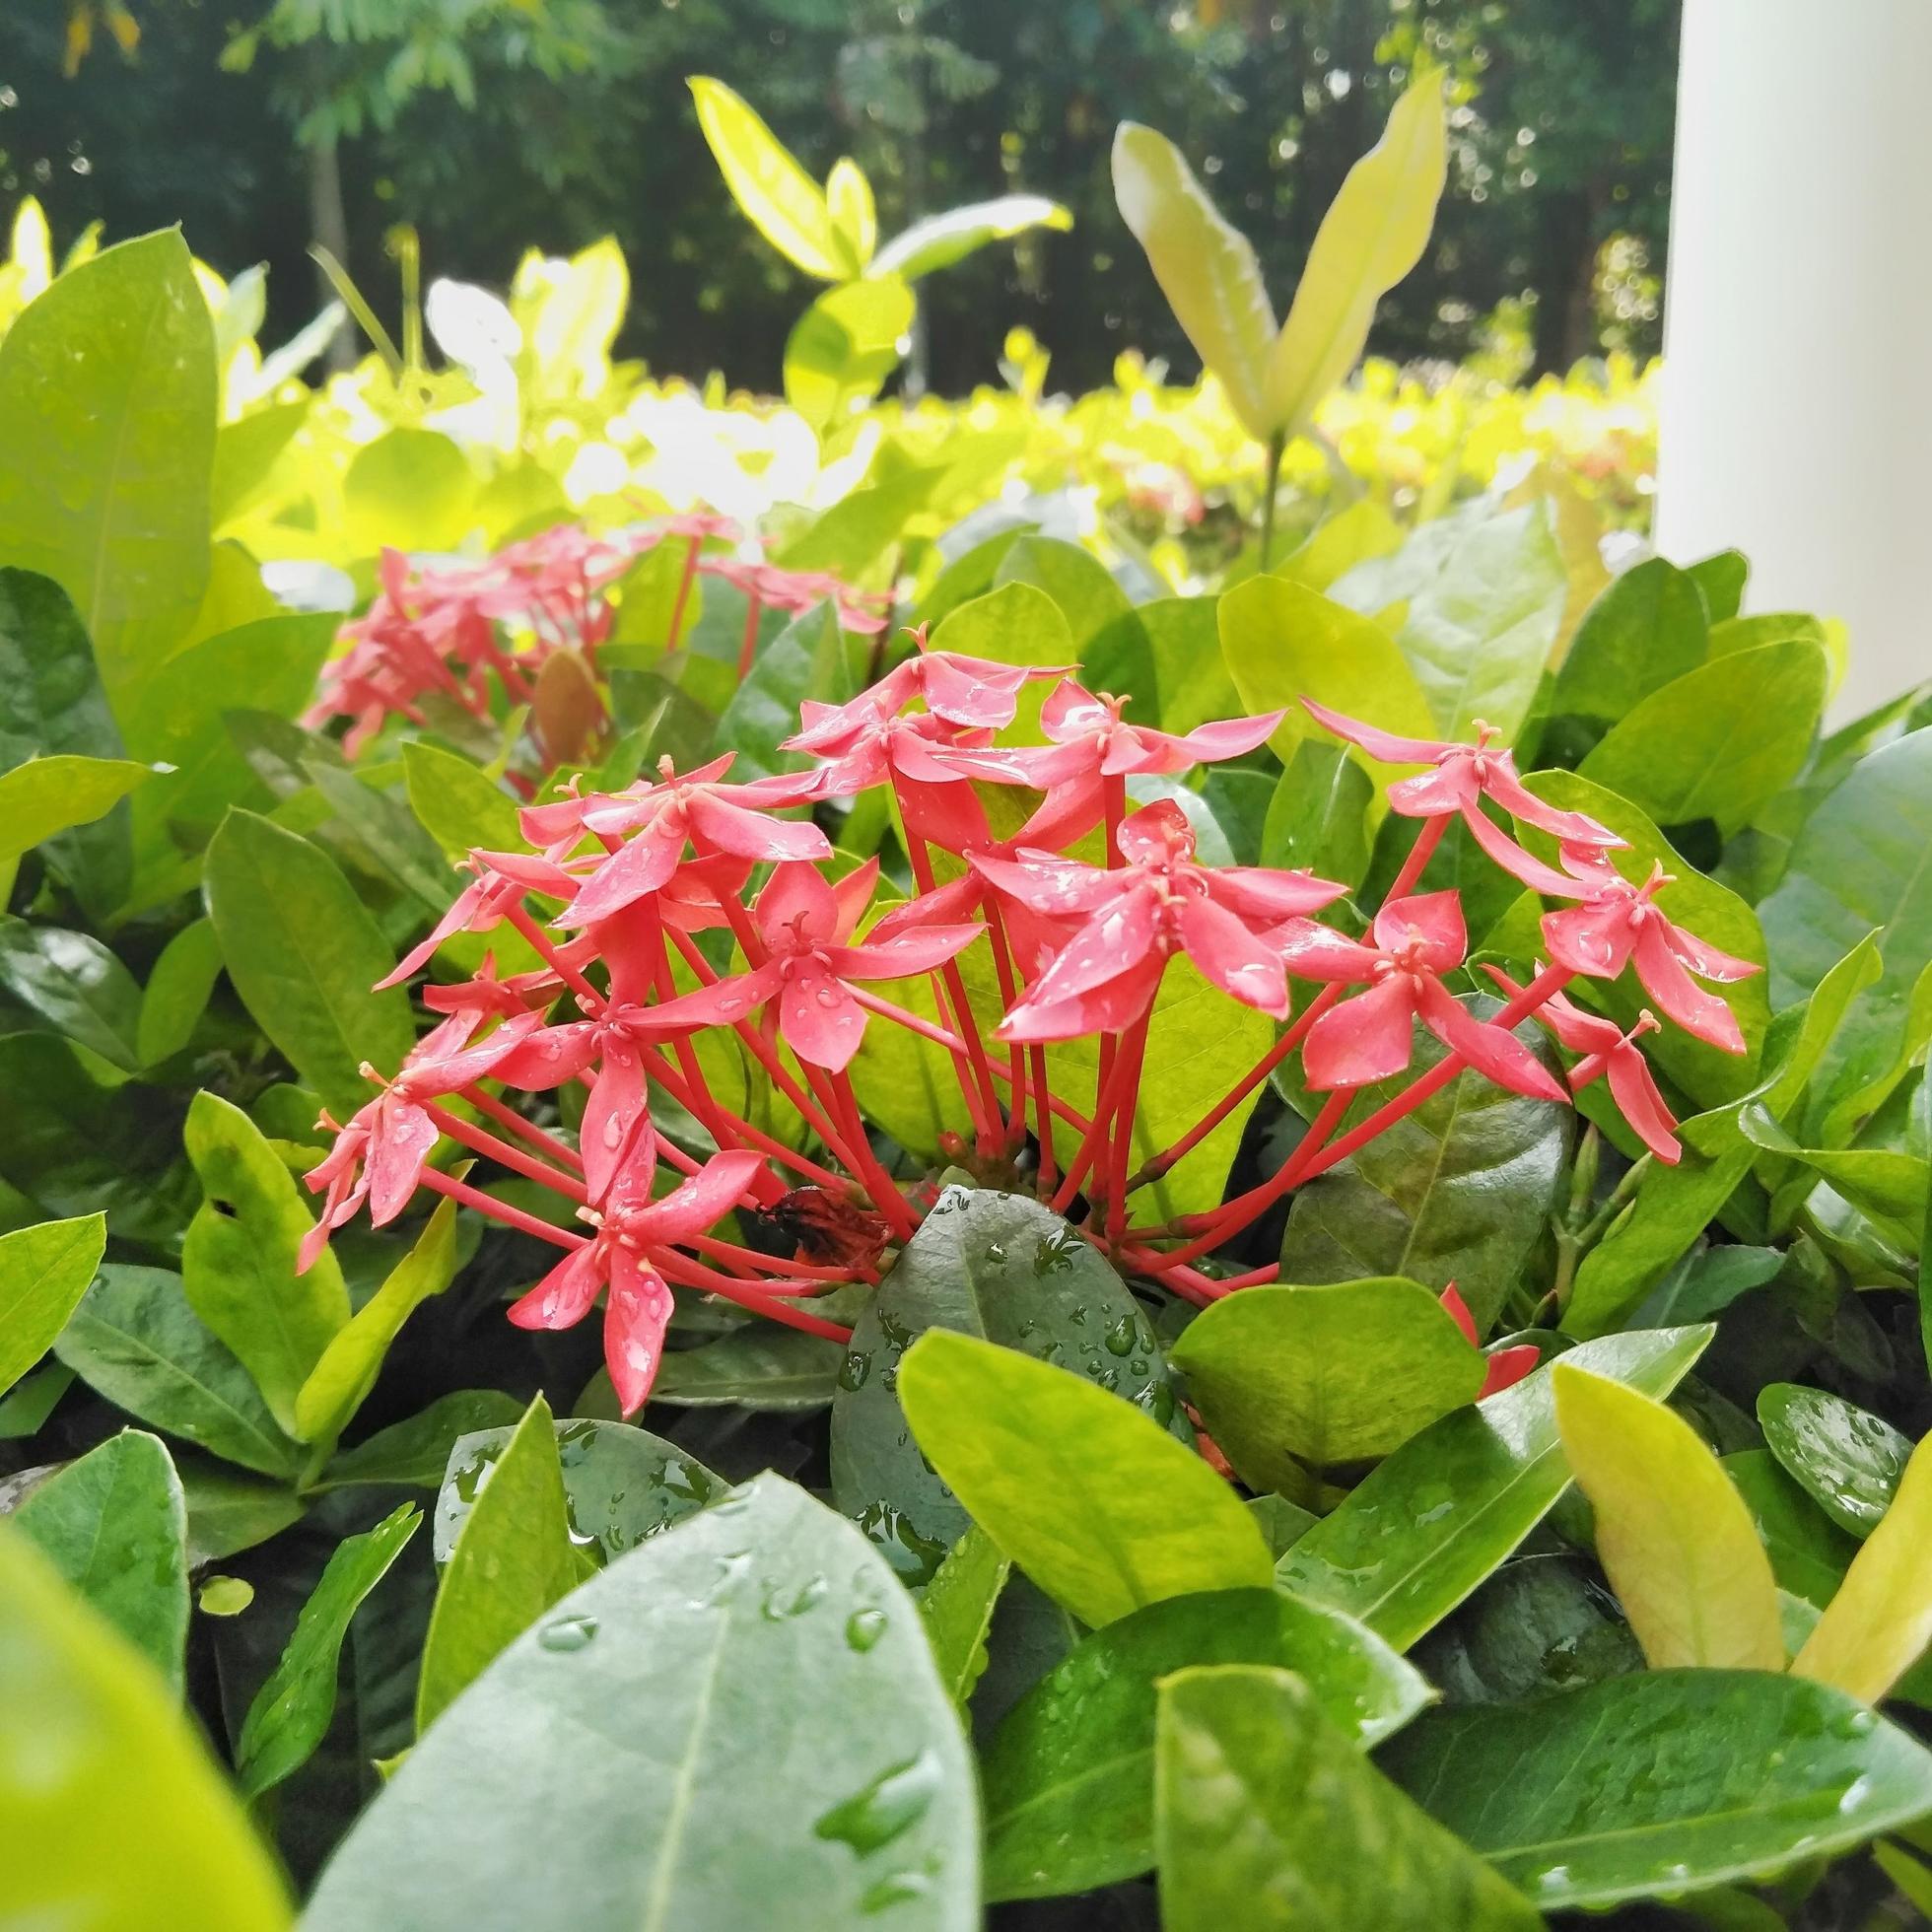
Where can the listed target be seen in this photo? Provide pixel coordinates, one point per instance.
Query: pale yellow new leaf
(1206, 268)
(1881, 1620)
(1373, 233)
(780, 199)
(848, 198)
(1674, 1537)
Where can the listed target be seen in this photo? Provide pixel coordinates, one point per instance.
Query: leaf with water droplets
(958, 1605)
(1662, 1782)
(688, 1759)
(1849, 1460)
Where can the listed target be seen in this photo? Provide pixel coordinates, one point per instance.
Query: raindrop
(567, 1633)
(886, 1808)
(1121, 1337)
(865, 1627)
(784, 1598)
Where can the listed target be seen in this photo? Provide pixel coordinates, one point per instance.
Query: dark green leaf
(1659, 1782)
(73, 983)
(757, 1366)
(1318, 819)
(115, 1525)
(415, 1452)
(1809, 1553)
(1430, 1524)
(303, 954)
(1069, 1778)
(291, 1712)
(135, 1340)
(1845, 1458)
(799, 1747)
(1268, 1816)
(1647, 629)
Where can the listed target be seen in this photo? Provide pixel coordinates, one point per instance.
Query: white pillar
(1797, 401)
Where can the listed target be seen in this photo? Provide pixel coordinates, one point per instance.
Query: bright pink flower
(657, 821)
(865, 743)
(974, 692)
(632, 1229)
(1607, 1049)
(380, 1155)
(780, 588)
(1502, 1371)
(1130, 919)
(1464, 775)
(1092, 742)
(1620, 924)
(805, 925)
(1371, 1036)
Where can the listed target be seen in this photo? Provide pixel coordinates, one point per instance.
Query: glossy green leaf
(1721, 577)
(806, 660)
(1720, 741)
(843, 347)
(291, 1712)
(997, 1265)
(415, 1452)
(1809, 1553)
(411, 487)
(1857, 866)
(57, 707)
(939, 241)
(1373, 233)
(1848, 1460)
(1069, 1776)
(1879, 1623)
(345, 1371)
(105, 474)
(511, 1561)
(1674, 1537)
(116, 1814)
(1660, 1782)
(1459, 1191)
(1701, 906)
(1283, 643)
(1083, 587)
(176, 992)
(1318, 819)
(1268, 1816)
(1207, 269)
(779, 198)
(1647, 629)
(1293, 1376)
(228, 1512)
(799, 1747)
(75, 984)
(957, 1606)
(759, 1366)
(44, 1271)
(303, 954)
(1880, 1181)
(621, 1484)
(115, 1525)
(135, 1340)
(1479, 630)
(461, 805)
(1100, 1506)
(49, 796)
(238, 1259)
(1427, 1526)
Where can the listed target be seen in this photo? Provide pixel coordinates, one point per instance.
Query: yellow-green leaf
(848, 198)
(1672, 1534)
(1373, 233)
(1206, 268)
(779, 198)
(1881, 1620)
(46, 795)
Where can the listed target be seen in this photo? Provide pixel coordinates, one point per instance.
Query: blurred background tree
(493, 125)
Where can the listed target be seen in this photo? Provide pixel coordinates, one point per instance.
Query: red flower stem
(1153, 1169)
(1113, 794)
(911, 1021)
(1417, 862)
(1134, 1054)
(684, 584)
(501, 1210)
(1316, 1154)
(1002, 966)
(772, 1149)
(1097, 1136)
(560, 1151)
(1078, 1122)
(750, 1257)
(767, 1056)
(551, 957)
(748, 644)
(1044, 1105)
(501, 1152)
(770, 1306)
(982, 1102)
(880, 1185)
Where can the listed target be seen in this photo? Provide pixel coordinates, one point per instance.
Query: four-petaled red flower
(1620, 924)
(1371, 1036)
(1133, 917)
(806, 926)
(632, 1229)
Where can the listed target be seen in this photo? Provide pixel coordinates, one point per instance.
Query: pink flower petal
(724, 1004)
(1448, 787)
(696, 1204)
(1495, 1053)
(1057, 887)
(1508, 791)
(913, 950)
(1459, 1313)
(1108, 1008)
(1363, 1040)
(1506, 1367)
(1113, 939)
(796, 902)
(751, 835)
(613, 1114)
(1261, 894)
(1594, 940)
(1677, 994)
(631, 872)
(564, 1297)
(1319, 952)
(1634, 1090)
(1520, 865)
(1385, 745)
(852, 895)
(818, 1017)
(1433, 918)
(405, 1139)
(636, 1315)
(1228, 954)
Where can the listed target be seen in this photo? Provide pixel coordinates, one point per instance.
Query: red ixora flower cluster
(695, 928)
(454, 631)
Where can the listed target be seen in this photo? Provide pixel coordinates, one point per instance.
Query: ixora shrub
(843, 1224)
